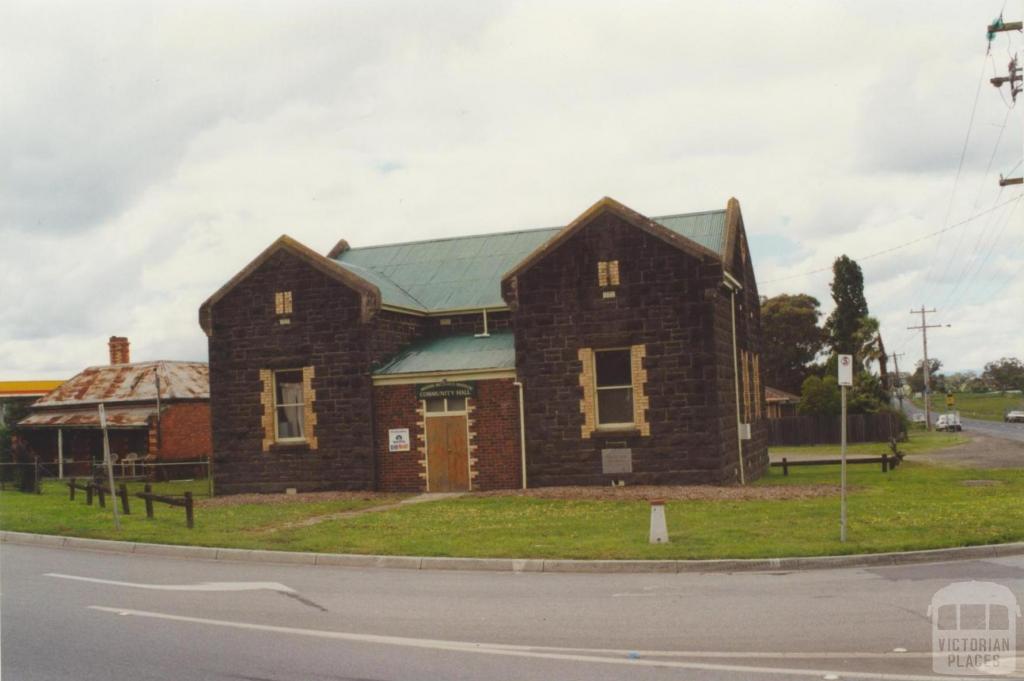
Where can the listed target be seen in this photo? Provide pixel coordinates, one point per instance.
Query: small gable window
(283, 302)
(608, 273)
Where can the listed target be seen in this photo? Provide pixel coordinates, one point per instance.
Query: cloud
(150, 151)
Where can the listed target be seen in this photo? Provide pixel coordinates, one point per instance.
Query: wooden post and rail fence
(97, 490)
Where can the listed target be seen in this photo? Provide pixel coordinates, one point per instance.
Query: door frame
(464, 413)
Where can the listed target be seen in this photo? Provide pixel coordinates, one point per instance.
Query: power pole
(924, 365)
(899, 379)
(1013, 76)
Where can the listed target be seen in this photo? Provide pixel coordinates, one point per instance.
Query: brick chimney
(119, 350)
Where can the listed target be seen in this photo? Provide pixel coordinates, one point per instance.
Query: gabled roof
(368, 292)
(652, 227)
(454, 353)
(131, 383)
(465, 273)
(460, 273)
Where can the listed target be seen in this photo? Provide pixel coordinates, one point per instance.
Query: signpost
(108, 462)
(845, 380)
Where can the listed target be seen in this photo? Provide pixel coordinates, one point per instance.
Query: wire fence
(29, 476)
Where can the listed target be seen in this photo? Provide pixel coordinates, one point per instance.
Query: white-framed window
(613, 385)
(444, 405)
(289, 406)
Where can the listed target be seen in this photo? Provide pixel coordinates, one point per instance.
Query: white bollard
(659, 529)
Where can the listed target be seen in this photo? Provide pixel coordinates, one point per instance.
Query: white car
(949, 422)
(1016, 416)
(918, 418)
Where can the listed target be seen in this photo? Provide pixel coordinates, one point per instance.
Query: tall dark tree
(851, 307)
(792, 339)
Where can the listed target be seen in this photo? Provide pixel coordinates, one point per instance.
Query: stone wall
(667, 302)
(323, 332)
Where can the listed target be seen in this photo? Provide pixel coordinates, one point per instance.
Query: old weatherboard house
(618, 348)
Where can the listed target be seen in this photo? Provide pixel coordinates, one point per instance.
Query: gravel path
(981, 451)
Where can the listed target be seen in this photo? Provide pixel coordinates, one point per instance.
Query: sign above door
(426, 391)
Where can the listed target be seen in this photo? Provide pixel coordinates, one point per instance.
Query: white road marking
(594, 656)
(202, 586)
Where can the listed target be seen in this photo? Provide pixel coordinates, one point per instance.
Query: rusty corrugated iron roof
(131, 383)
(89, 417)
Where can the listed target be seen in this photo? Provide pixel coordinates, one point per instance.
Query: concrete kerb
(518, 564)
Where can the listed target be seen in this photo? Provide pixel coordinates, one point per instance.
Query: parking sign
(846, 370)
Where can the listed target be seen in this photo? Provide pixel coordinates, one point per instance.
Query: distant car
(1016, 416)
(918, 418)
(949, 422)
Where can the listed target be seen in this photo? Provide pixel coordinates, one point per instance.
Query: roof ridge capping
(369, 293)
(608, 204)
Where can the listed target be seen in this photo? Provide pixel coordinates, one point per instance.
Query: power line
(984, 181)
(969, 272)
(995, 241)
(899, 246)
(960, 164)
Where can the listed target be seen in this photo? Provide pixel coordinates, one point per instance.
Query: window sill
(616, 431)
(289, 444)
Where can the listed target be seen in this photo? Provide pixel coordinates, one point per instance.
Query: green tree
(15, 410)
(917, 378)
(851, 307)
(820, 397)
(867, 396)
(1005, 374)
(792, 338)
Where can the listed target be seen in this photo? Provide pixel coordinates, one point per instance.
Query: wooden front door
(447, 454)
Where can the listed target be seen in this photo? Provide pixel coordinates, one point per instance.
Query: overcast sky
(148, 152)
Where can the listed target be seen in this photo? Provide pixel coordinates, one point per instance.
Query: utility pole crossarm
(1001, 27)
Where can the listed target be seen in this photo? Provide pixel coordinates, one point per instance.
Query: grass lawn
(241, 526)
(920, 441)
(985, 406)
(917, 506)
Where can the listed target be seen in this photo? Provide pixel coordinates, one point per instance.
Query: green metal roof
(463, 273)
(707, 228)
(454, 353)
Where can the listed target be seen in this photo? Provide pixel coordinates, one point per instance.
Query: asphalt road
(1007, 431)
(72, 614)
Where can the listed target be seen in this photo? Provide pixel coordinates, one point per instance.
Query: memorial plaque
(617, 460)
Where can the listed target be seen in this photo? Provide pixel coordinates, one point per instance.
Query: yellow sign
(950, 400)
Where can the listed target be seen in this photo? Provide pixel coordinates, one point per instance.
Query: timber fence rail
(100, 491)
(888, 462)
(185, 501)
